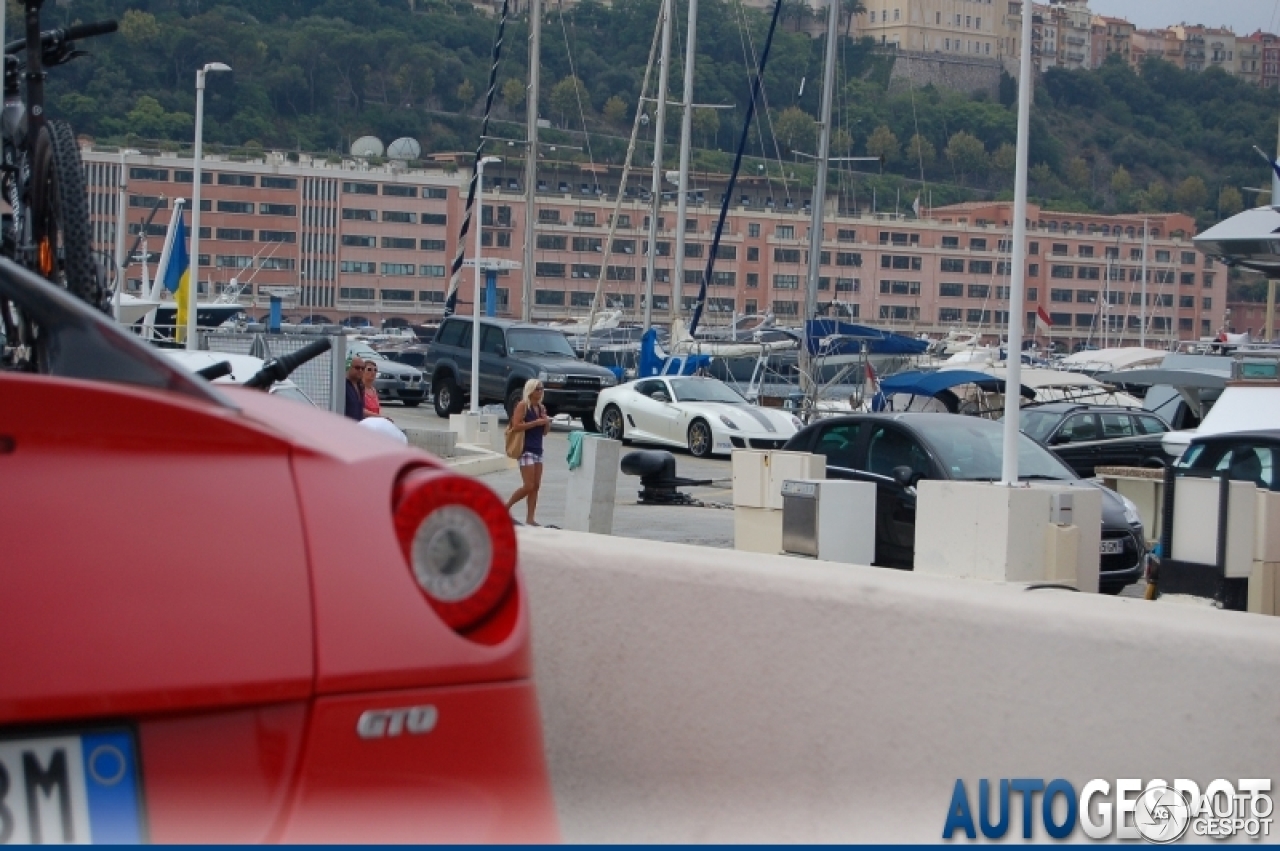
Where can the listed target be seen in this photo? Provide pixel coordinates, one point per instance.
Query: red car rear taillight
(459, 542)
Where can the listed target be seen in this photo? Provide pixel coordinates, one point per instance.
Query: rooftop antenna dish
(367, 146)
(404, 148)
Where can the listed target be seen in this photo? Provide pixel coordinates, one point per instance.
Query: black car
(1086, 437)
(896, 451)
(510, 354)
(1246, 456)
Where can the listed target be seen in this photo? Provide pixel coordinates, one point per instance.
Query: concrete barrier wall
(698, 695)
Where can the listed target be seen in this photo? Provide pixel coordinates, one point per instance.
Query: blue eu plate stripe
(111, 785)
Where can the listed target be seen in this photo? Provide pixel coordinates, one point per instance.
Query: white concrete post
(590, 494)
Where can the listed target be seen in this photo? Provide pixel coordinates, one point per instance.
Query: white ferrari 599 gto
(703, 414)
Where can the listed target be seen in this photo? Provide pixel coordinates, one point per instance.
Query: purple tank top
(532, 437)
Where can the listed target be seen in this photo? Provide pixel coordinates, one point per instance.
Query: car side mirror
(659, 396)
(1059, 439)
(903, 476)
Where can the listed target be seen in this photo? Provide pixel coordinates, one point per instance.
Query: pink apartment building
(376, 244)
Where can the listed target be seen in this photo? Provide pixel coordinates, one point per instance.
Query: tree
(851, 9)
(1230, 201)
(615, 110)
(139, 27)
(1079, 176)
(512, 93)
(841, 142)
(466, 93)
(706, 123)
(796, 129)
(1121, 182)
(967, 154)
(1005, 158)
(564, 97)
(1191, 194)
(883, 143)
(921, 153)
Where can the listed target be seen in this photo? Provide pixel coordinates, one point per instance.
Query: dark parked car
(395, 381)
(510, 354)
(896, 451)
(1246, 456)
(1086, 437)
(413, 355)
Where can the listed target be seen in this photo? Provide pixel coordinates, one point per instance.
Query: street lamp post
(475, 306)
(122, 224)
(193, 275)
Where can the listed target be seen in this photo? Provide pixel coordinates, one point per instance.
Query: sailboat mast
(686, 133)
(531, 156)
(1142, 308)
(819, 194)
(659, 127)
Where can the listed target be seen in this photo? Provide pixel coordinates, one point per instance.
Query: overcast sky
(1242, 16)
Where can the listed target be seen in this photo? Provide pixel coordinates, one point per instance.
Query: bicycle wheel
(60, 216)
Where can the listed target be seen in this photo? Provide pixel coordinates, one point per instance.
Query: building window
(786, 282)
(400, 217)
(583, 218)
(356, 293)
(360, 215)
(848, 258)
(1206, 303)
(138, 173)
(435, 219)
(846, 235)
(278, 209)
(899, 312)
(692, 249)
(1062, 271)
(1061, 296)
(269, 182)
(979, 290)
(400, 191)
(588, 243)
(352, 188)
(549, 217)
(753, 280)
(398, 269)
(231, 261)
(147, 202)
(548, 270)
(551, 242)
(235, 234)
(358, 267)
(753, 229)
(1208, 279)
(950, 264)
(1188, 258)
(948, 314)
(235, 206)
(549, 298)
(225, 179)
(438, 193)
(1091, 273)
(900, 288)
(436, 244)
(287, 236)
(753, 254)
(979, 267)
(899, 261)
(1084, 251)
(1034, 248)
(402, 242)
(951, 290)
(786, 255)
(786, 308)
(977, 244)
(951, 242)
(359, 241)
(726, 252)
(785, 232)
(181, 175)
(1059, 249)
(431, 271)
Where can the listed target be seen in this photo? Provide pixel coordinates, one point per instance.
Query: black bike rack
(1194, 578)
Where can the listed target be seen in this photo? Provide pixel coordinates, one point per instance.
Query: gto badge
(380, 723)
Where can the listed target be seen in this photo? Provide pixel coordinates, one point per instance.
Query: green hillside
(311, 75)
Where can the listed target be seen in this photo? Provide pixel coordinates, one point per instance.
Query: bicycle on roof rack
(41, 177)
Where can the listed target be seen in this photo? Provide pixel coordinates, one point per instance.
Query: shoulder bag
(515, 440)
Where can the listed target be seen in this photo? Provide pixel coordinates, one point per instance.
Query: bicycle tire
(60, 215)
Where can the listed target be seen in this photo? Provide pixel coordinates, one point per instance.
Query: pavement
(709, 526)
(703, 526)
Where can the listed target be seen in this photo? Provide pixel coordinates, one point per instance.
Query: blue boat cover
(879, 341)
(651, 363)
(920, 383)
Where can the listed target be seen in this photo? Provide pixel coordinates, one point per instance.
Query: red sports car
(227, 618)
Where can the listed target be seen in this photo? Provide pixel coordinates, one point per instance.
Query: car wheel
(700, 441)
(612, 425)
(448, 397)
(589, 423)
(514, 397)
(412, 403)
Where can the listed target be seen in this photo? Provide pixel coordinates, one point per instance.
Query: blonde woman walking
(531, 418)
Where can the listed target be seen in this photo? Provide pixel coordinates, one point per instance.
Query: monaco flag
(1043, 322)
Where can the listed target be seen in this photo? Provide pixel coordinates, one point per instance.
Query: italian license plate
(1112, 548)
(74, 787)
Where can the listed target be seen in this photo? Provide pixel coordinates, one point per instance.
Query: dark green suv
(510, 354)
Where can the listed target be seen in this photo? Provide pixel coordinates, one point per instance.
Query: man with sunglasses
(354, 405)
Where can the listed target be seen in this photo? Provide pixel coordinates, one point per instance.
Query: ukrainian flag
(177, 276)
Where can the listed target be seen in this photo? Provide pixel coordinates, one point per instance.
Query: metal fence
(321, 378)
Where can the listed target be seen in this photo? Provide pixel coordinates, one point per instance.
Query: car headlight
(795, 421)
(1131, 515)
(730, 423)
(609, 380)
(552, 379)
(385, 375)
